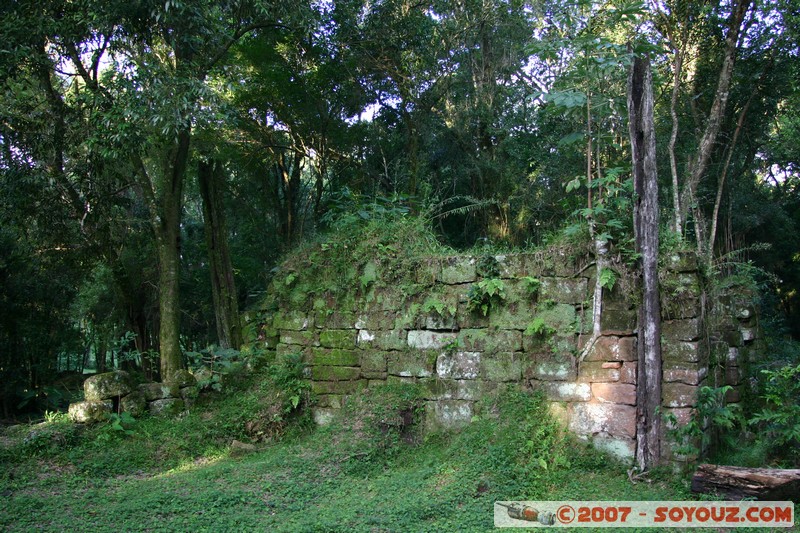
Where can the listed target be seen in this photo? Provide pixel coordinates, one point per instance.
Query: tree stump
(736, 483)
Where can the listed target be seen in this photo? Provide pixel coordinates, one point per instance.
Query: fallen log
(736, 483)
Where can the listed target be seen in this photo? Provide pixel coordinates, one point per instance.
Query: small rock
(166, 407)
(181, 378)
(242, 448)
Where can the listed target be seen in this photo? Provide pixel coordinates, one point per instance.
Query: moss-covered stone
(446, 415)
(335, 373)
(678, 395)
(337, 387)
(564, 290)
(501, 367)
(457, 270)
(618, 321)
(181, 378)
(458, 365)
(90, 411)
(452, 389)
(372, 361)
(511, 315)
(490, 340)
(159, 391)
(134, 404)
(166, 407)
(382, 340)
(338, 338)
(292, 320)
(107, 385)
(301, 338)
(681, 351)
(334, 357)
(681, 330)
(418, 364)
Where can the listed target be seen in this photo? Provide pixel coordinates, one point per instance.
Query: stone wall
(424, 330)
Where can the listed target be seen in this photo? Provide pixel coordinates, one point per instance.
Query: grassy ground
(368, 472)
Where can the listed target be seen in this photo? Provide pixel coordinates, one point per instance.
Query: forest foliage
(158, 157)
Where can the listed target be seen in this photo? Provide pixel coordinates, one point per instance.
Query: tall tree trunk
(645, 178)
(223, 287)
(167, 225)
(699, 162)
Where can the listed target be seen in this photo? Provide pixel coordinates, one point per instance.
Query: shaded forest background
(158, 157)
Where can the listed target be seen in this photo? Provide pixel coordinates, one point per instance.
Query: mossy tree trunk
(223, 286)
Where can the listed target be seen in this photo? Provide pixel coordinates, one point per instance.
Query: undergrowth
(371, 470)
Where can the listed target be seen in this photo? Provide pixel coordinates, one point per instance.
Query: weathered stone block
(448, 414)
(435, 321)
(551, 370)
(594, 372)
(411, 364)
(107, 385)
(291, 320)
(373, 361)
(159, 391)
(678, 395)
(502, 366)
(337, 387)
(511, 266)
(564, 290)
(134, 404)
(301, 338)
(560, 318)
(430, 340)
(382, 340)
(674, 308)
(166, 407)
(627, 374)
(90, 411)
(559, 412)
(732, 337)
(613, 419)
(379, 320)
(748, 334)
(288, 350)
(682, 415)
(471, 319)
(511, 315)
(621, 447)
(612, 348)
(334, 357)
(453, 389)
(337, 319)
(681, 330)
(615, 393)
(678, 351)
(678, 372)
(490, 340)
(334, 401)
(335, 373)
(733, 375)
(181, 378)
(618, 321)
(682, 262)
(458, 365)
(457, 270)
(565, 391)
(733, 396)
(338, 338)
(323, 415)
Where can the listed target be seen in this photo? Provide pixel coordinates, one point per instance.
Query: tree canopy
(158, 156)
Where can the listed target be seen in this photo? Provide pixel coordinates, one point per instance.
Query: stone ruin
(115, 392)
(387, 333)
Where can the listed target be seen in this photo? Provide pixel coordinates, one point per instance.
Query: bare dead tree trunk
(645, 179)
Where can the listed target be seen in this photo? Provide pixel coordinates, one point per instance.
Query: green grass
(356, 475)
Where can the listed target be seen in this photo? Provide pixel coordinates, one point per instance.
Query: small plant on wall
(485, 295)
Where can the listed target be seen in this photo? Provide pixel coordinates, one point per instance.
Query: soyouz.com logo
(643, 514)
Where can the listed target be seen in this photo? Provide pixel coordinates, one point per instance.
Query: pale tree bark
(699, 162)
(223, 287)
(645, 179)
